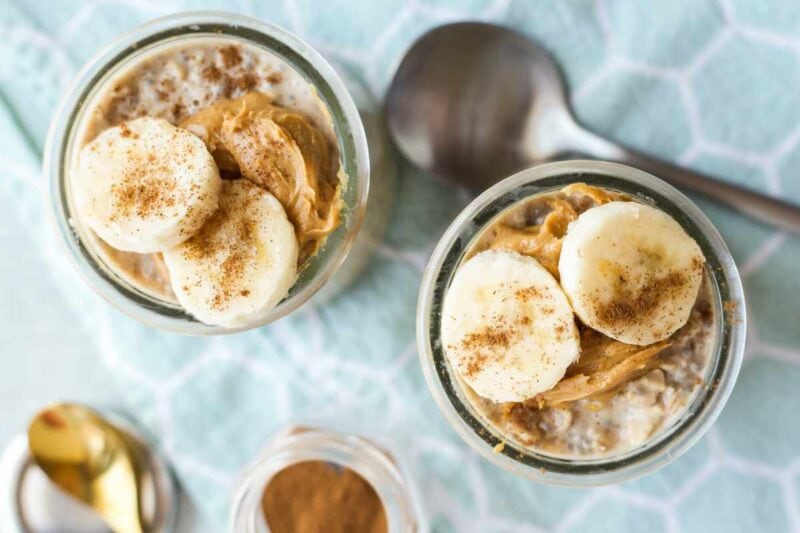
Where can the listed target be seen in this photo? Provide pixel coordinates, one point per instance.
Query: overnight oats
(574, 323)
(209, 176)
(638, 351)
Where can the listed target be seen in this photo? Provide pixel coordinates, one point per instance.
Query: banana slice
(507, 326)
(631, 272)
(145, 185)
(241, 263)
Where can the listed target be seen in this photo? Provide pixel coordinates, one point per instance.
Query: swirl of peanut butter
(281, 151)
(538, 229)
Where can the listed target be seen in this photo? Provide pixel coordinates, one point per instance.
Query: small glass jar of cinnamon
(310, 479)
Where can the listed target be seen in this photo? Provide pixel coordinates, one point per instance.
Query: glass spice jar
(299, 444)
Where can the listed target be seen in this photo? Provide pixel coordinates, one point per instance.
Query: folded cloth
(712, 85)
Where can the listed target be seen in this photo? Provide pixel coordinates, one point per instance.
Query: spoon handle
(766, 209)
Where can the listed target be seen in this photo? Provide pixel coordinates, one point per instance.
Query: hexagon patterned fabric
(714, 85)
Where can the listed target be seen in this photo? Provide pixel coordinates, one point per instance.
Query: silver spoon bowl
(476, 102)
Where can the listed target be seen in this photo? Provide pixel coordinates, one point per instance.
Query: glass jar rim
(298, 444)
(300, 56)
(667, 444)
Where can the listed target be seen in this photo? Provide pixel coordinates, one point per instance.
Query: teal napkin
(712, 85)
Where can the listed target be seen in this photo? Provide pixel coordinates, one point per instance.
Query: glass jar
(665, 445)
(63, 145)
(300, 444)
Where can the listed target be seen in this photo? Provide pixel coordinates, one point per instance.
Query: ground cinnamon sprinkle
(231, 55)
(178, 110)
(210, 240)
(212, 73)
(275, 78)
(626, 307)
(475, 364)
(144, 191)
(316, 496)
(126, 132)
(489, 337)
(483, 345)
(527, 293)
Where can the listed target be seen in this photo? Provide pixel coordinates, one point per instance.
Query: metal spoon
(476, 102)
(92, 460)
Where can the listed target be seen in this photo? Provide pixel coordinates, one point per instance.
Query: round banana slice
(241, 263)
(631, 272)
(507, 326)
(145, 185)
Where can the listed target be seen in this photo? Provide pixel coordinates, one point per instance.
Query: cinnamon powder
(316, 496)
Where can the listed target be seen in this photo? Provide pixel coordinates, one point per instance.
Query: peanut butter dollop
(538, 229)
(281, 151)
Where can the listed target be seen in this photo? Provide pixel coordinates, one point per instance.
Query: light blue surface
(713, 85)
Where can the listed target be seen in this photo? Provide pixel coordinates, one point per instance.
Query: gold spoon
(92, 460)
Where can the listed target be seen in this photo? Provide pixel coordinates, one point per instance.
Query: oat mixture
(234, 96)
(616, 396)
